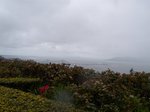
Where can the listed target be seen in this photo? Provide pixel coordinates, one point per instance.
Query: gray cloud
(81, 28)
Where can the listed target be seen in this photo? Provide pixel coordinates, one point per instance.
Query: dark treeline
(107, 91)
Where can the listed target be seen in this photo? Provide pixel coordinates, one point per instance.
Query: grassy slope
(12, 100)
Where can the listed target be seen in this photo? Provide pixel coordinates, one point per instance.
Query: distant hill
(123, 59)
(2, 58)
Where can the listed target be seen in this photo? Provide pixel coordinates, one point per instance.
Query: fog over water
(118, 64)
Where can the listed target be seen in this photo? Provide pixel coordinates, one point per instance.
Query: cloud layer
(75, 28)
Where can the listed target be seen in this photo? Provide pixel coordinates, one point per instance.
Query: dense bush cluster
(20, 68)
(115, 92)
(50, 73)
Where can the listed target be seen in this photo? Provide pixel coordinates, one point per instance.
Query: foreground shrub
(12, 100)
(114, 92)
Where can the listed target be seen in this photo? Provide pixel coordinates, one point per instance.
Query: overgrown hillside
(82, 88)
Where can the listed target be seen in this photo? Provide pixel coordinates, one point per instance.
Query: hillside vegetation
(82, 88)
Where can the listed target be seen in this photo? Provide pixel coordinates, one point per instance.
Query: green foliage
(25, 84)
(12, 100)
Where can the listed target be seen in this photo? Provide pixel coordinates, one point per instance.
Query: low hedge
(25, 84)
(13, 100)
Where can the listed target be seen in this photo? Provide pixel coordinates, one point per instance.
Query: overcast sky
(75, 28)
